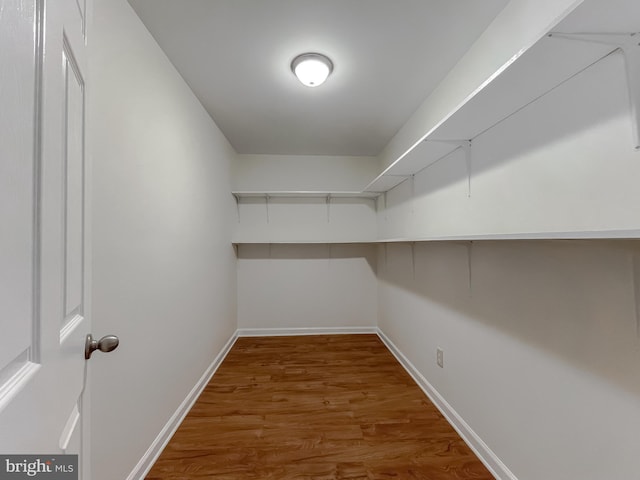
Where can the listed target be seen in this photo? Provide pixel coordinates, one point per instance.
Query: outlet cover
(440, 357)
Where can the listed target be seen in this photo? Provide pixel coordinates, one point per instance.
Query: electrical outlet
(440, 357)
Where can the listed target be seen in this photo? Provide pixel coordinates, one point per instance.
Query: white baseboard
(274, 332)
(481, 449)
(154, 451)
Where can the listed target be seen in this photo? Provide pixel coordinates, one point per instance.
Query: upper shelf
(305, 194)
(539, 70)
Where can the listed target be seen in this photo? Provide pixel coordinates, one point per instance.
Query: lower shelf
(582, 235)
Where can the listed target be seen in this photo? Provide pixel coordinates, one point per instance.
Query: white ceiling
(388, 56)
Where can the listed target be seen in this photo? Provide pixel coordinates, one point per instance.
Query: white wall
(541, 346)
(164, 267)
(306, 286)
(541, 339)
(302, 172)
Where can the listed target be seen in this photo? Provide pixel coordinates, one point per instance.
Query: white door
(44, 213)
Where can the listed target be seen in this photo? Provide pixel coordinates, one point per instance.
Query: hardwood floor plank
(331, 407)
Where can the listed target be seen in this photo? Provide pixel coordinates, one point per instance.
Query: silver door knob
(108, 343)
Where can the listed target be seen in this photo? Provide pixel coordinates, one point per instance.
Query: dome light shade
(312, 69)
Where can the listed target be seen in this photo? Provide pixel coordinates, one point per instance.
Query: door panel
(74, 187)
(17, 196)
(17, 204)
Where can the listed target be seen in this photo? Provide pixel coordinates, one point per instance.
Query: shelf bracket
(413, 258)
(329, 208)
(237, 205)
(267, 198)
(465, 145)
(469, 266)
(629, 45)
(413, 193)
(386, 257)
(385, 206)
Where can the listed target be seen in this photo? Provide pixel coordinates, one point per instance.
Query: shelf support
(413, 258)
(237, 205)
(386, 258)
(629, 45)
(267, 198)
(469, 266)
(413, 193)
(465, 145)
(329, 208)
(385, 206)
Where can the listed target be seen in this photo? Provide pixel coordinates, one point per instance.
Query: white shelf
(539, 70)
(304, 194)
(305, 217)
(305, 242)
(586, 235)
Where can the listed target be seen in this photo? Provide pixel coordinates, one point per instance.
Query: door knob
(108, 343)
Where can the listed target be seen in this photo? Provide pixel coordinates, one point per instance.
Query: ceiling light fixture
(312, 69)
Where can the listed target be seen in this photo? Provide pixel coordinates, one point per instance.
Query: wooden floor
(315, 407)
